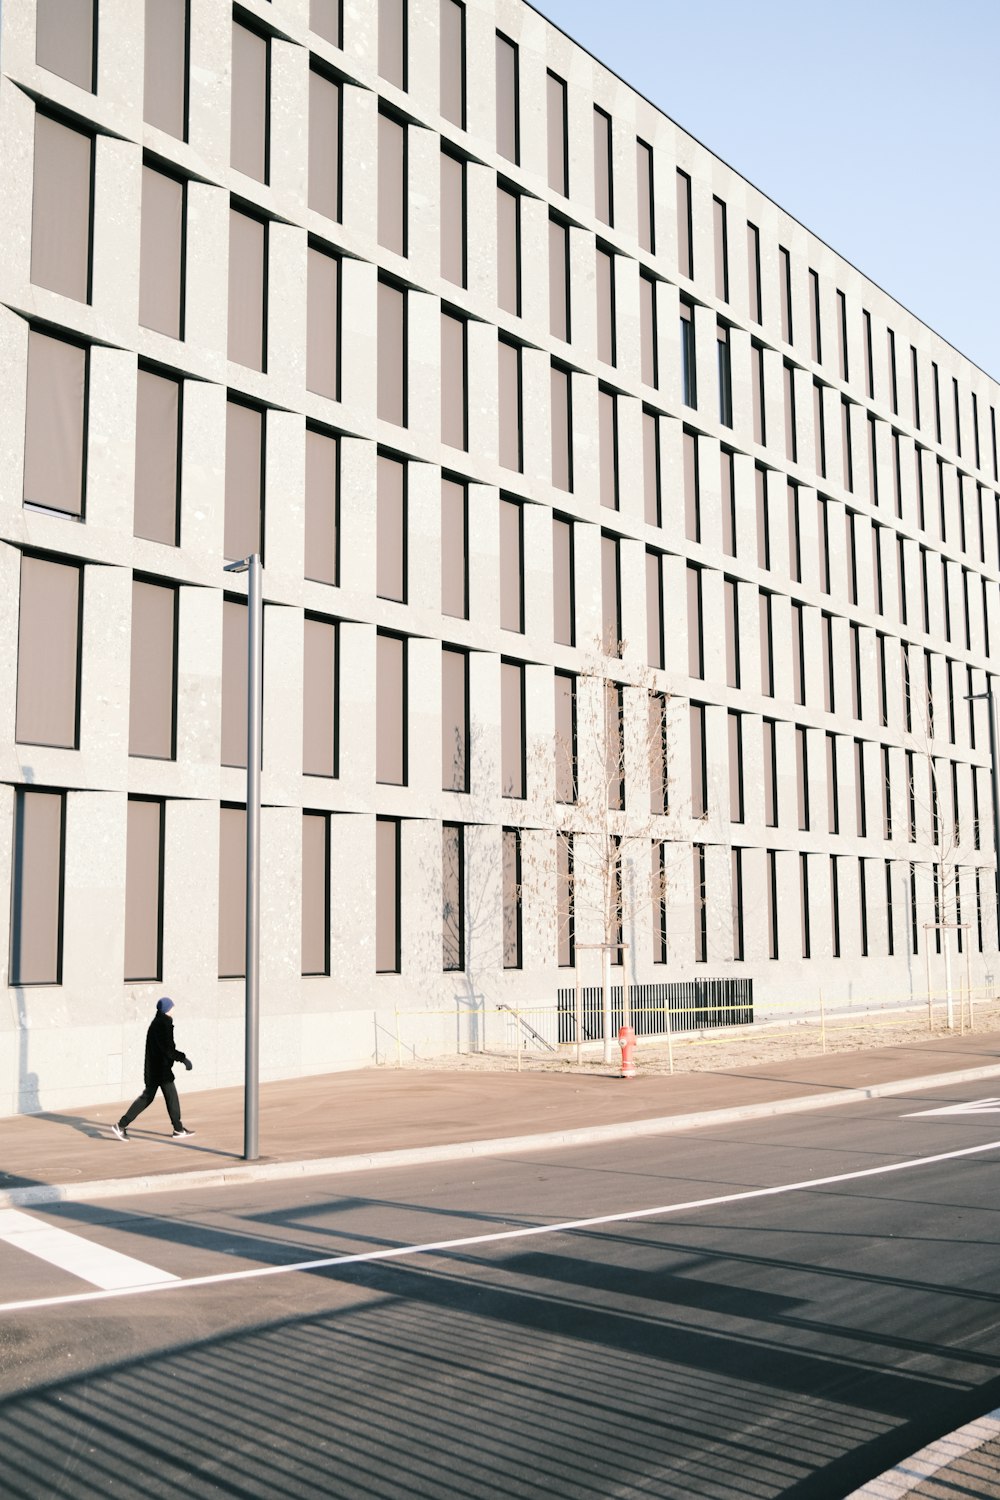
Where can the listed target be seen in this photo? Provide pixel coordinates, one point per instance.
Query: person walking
(161, 1054)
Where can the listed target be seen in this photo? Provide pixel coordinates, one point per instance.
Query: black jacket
(160, 1051)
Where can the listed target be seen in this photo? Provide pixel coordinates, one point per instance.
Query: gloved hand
(188, 1064)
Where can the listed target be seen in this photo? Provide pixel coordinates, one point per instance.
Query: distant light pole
(995, 783)
(251, 1074)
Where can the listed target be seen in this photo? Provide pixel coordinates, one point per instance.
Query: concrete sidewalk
(352, 1121)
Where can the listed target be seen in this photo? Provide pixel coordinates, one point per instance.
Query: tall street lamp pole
(251, 1087)
(995, 783)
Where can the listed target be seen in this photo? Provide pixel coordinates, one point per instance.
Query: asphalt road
(792, 1336)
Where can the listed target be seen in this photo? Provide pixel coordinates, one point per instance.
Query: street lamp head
(238, 567)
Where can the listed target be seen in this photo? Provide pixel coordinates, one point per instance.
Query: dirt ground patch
(765, 1042)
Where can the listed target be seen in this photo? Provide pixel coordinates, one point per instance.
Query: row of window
(63, 179)
(36, 954)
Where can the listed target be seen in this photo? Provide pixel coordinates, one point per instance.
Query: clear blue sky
(876, 123)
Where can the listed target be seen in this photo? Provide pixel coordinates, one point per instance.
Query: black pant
(146, 1098)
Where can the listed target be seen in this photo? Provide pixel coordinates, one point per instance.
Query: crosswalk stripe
(104, 1268)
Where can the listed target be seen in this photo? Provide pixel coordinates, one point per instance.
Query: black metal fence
(693, 1005)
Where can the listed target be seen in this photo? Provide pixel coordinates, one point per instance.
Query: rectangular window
(886, 793)
(511, 862)
(153, 684)
(651, 470)
(645, 200)
(770, 774)
(893, 388)
(561, 407)
(454, 382)
(866, 329)
(392, 350)
(607, 443)
(390, 709)
(509, 251)
(165, 61)
(320, 707)
(325, 18)
(835, 906)
(510, 448)
(244, 494)
(819, 428)
(757, 383)
(512, 743)
(508, 122)
(155, 511)
(565, 906)
(233, 746)
(232, 891)
(856, 669)
(454, 548)
(832, 788)
(829, 677)
(657, 744)
(815, 325)
(765, 620)
(559, 299)
(958, 417)
(315, 893)
(325, 122)
(763, 515)
(250, 124)
(565, 736)
(323, 327)
(387, 888)
(453, 62)
(392, 178)
(804, 905)
(563, 586)
(61, 204)
(655, 650)
(847, 446)
(721, 250)
(699, 761)
(785, 292)
(791, 426)
(614, 745)
(611, 595)
(802, 775)
(695, 624)
(454, 719)
(161, 256)
(392, 48)
(731, 615)
(753, 272)
(860, 799)
(725, 376)
(736, 799)
(772, 904)
(604, 206)
(915, 386)
(65, 40)
(605, 284)
(798, 652)
(452, 898)
(454, 261)
(843, 367)
(700, 904)
(558, 155)
(143, 890)
(55, 426)
(727, 482)
(937, 400)
(685, 238)
(689, 375)
(37, 887)
(794, 531)
(48, 653)
(649, 352)
(321, 560)
(850, 537)
(736, 885)
(247, 343)
(511, 514)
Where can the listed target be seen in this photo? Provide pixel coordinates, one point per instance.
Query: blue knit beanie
(165, 1004)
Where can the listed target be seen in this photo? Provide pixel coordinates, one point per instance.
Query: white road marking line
(972, 1107)
(897, 1483)
(104, 1268)
(400, 1252)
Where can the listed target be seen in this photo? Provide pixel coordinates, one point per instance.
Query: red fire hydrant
(626, 1040)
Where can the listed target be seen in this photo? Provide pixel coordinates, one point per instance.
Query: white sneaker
(119, 1132)
(179, 1135)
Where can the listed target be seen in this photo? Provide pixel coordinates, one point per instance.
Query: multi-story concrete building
(531, 406)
